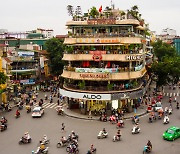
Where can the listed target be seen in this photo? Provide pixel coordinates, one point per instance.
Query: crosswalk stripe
(164, 94)
(47, 104)
(167, 94)
(53, 106)
(174, 94)
(50, 104)
(177, 94)
(170, 95)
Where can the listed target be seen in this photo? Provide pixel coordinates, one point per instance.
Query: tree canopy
(55, 48)
(166, 68)
(94, 12)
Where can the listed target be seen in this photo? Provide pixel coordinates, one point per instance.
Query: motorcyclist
(45, 97)
(44, 139)
(17, 113)
(166, 110)
(3, 120)
(136, 127)
(42, 147)
(118, 135)
(28, 107)
(104, 131)
(149, 146)
(63, 139)
(26, 136)
(59, 108)
(166, 119)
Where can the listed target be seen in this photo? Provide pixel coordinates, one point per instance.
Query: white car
(158, 106)
(37, 112)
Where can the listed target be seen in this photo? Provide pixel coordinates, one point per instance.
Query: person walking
(63, 127)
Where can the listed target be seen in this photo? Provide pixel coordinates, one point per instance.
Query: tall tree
(55, 48)
(3, 78)
(166, 69)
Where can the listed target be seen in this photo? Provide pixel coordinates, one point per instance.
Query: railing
(21, 58)
(114, 88)
(104, 70)
(102, 35)
(23, 68)
(134, 51)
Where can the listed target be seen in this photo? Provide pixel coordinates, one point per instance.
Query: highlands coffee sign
(134, 57)
(87, 96)
(93, 75)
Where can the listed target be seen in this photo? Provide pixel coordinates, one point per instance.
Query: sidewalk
(74, 114)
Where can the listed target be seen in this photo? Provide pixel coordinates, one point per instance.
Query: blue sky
(23, 15)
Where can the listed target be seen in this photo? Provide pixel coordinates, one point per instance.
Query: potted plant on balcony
(81, 84)
(93, 12)
(109, 86)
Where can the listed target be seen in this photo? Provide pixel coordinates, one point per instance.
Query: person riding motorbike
(3, 120)
(166, 119)
(149, 146)
(63, 139)
(26, 136)
(17, 113)
(45, 97)
(42, 147)
(104, 131)
(118, 135)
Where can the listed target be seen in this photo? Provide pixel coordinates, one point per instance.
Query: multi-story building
(106, 63)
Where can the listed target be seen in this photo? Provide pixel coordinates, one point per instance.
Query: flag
(100, 9)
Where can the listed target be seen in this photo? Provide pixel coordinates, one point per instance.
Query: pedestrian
(63, 127)
(175, 99)
(90, 114)
(58, 102)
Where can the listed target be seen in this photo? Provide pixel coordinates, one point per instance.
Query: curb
(97, 119)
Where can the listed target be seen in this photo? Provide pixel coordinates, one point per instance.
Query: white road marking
(53, 106)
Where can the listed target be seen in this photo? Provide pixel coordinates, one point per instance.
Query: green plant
(94, 12)
(81, 84)
(110, 86)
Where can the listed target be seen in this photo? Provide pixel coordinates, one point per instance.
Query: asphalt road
(50, 124)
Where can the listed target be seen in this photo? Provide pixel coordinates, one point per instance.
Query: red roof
(61, 36)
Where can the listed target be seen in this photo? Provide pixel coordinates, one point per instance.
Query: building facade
(106, 63)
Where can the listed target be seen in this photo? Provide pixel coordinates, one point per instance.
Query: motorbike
(3, 127)
(146, 149)
(115, 138)
(28, 109)
(74, 137)
(135, 130)
(103, 118)
(92, 151)
(170, 111)
(62, 144)
(135, 120)
(17, 116)
(24, 141)
(73, 149)
(60, 112)
(166, 121)
(102, 135)
(46, 142)
(120, 125)
(45, 151)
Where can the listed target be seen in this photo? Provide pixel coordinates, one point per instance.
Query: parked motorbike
(102, 135)
(103, 118)
(92, 151)
(166, 120)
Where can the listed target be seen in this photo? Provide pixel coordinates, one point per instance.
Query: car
(158, 106)
(37, 112)
(171, 133)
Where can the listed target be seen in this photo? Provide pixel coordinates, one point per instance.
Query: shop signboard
(25, 53)
(96, 70)
(99, 76)
(27, 81)
(134, 57)
(87, 96)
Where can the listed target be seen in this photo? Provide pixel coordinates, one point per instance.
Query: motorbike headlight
(170, 136)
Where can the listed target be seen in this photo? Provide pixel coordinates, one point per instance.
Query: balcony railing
(103, 70)
(104, 89)
(105, 35)
(111, 51)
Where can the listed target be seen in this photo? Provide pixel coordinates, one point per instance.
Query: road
(50, 124)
